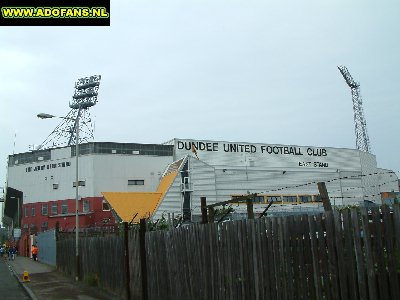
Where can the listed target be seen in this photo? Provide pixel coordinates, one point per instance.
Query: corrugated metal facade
(388, 181)
(224, 169)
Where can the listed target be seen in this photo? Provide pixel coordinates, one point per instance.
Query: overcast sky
(240, 71)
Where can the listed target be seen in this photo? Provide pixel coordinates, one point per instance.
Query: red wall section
(95, 217)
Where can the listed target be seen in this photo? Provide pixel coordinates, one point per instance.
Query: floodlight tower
(85, 96)
(362, 139)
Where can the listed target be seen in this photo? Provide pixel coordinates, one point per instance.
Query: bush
(92, 279)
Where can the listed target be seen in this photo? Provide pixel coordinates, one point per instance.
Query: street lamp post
(48, 116)
(77, 198)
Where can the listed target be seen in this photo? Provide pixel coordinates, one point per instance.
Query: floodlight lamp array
(86, 91)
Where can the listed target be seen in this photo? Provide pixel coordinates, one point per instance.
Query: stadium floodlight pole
(48, 116)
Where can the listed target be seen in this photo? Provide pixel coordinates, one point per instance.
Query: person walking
(2, 251)
(9, 252)
(35, 251)
(12, 252)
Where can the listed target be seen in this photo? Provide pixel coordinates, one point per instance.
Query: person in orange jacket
(35, 251)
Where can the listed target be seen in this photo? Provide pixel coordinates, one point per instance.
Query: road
(9, 286)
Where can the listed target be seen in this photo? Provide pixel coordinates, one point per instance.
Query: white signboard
(267, 155)
(17, 233)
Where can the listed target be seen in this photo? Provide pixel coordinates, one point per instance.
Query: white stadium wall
(172, 202)
(112, 172)
(100, 172)
(388, 181)
(36, 179)
(241, 168)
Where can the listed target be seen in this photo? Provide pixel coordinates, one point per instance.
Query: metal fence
(46, 241)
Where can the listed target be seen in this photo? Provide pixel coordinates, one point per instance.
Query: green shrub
(92, 279)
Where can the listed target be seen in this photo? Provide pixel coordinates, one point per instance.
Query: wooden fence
(101, 261)
(353, 254)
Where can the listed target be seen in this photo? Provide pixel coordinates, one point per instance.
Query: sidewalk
(46, 283)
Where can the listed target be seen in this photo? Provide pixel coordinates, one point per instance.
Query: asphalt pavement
(46, 283)
(10, 289)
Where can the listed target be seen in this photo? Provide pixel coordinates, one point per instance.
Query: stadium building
(128, 181)
(43, 182)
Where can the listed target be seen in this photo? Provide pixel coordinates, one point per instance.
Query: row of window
(83, 183)
(54, 209)
(283, 198)
(124, 148)
(44, 225)
(29, 157)
(87, 148)
(136, 182)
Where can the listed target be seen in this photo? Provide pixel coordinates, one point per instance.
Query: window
(136, 182)
(186, 184)
(55, 186)
(54, 208)
(86, 206)
(291, 199)
(305, 198)
(274, 199)
(81, 183)
(317, 198)
(44, 225)
(26, 211)
(259, 199)
(64, 208)
(33, 212)
(44, 209)
(106, 206)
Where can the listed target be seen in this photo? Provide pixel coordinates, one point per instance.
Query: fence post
(127, 267)
(324, 196)
(211, 214)
(57, 230)
(204, 219)
(250, 212)
(142, 239)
